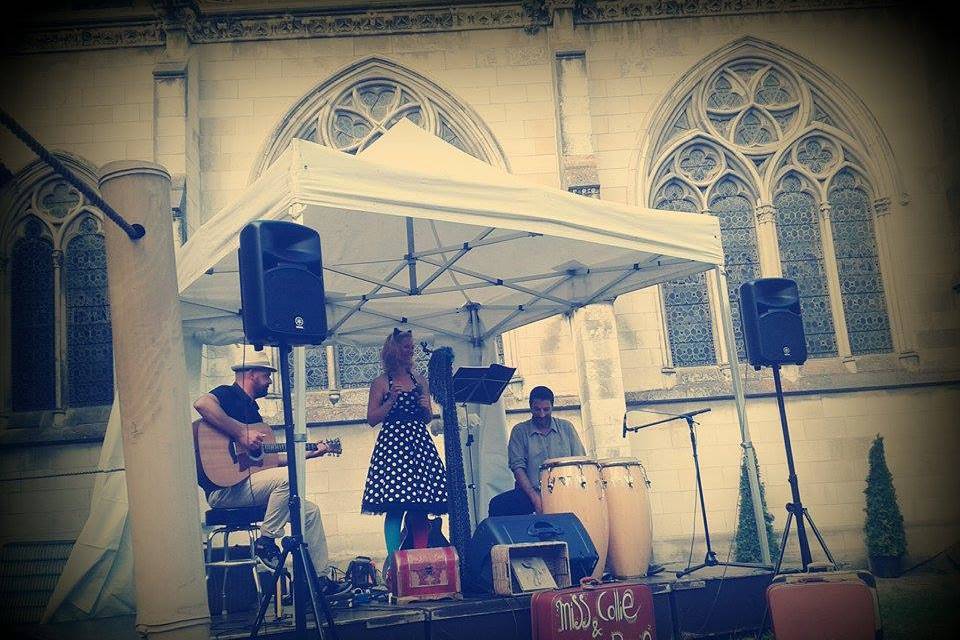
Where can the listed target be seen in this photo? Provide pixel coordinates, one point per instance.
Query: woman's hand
(425, 404)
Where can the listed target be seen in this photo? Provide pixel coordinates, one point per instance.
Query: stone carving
(145, 30)
(624, 10)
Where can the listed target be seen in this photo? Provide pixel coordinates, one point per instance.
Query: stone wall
(210, 111)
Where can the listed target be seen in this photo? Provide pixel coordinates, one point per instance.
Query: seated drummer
(531, 442)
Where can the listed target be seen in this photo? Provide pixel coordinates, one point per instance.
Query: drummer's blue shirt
(529, 448)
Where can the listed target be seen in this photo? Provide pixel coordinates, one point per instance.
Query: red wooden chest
(424, 574)
(594, 611)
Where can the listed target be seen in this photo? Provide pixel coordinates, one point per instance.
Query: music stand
(481, 385)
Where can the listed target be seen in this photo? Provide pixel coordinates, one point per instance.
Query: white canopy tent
(416, 232)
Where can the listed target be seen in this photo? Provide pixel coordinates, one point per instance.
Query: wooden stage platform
(713, 602)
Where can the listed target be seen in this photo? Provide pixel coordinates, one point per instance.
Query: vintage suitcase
(594, 611)
(832, 605)
(424, 574)
(532, 528)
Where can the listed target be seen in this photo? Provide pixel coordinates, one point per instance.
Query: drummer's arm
(517, 457)
(523, 483)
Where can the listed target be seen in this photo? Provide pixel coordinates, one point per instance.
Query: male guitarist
(230, 408)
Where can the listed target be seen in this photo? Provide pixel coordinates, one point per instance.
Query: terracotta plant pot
(885, 566)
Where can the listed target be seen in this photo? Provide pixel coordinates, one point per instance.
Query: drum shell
(628, 510)
(574, 485)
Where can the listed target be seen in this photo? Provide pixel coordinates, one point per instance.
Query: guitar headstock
(334, 448)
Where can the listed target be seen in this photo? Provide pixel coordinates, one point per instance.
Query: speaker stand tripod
(306, 586)
(795, 509)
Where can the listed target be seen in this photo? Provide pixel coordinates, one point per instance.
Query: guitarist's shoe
(268, 552)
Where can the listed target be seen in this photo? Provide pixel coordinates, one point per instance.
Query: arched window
(774, 148)
(58, 332)
(861, 283)
(801, 259)
(33, 331)
(349, 112)
(89, 338)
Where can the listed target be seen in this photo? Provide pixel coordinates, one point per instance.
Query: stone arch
(826, 100)
(413, 95)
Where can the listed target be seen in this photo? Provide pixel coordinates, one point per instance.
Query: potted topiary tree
(747, 546)
(885, 538)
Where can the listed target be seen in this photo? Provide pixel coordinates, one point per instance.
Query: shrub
(884, 523)
(746, 543)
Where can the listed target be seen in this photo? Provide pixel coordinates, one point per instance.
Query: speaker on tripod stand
(283, 304)
(773, 335)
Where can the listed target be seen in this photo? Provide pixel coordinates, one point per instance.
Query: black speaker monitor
(772, 322)
(532, 528)
(281, 284)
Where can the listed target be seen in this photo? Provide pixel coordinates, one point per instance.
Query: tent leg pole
(741, 404)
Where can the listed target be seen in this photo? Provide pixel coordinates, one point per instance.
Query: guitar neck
(280, 447)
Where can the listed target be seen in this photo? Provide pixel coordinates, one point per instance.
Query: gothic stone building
(819, 133)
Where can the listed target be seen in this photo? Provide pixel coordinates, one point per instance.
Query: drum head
(618, 462)
(568, 460)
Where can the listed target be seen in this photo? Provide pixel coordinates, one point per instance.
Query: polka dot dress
(405, 472)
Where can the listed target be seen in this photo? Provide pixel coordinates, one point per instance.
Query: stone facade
(567, 94)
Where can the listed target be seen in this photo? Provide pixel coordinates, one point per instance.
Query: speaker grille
(781, 337)
(295, 302)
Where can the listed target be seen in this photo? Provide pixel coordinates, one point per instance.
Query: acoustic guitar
(226, 462)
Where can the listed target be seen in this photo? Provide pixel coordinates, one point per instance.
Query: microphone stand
(710, 559)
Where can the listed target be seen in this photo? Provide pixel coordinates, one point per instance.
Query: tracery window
(755, 132)
(350, 112)
(59, 336)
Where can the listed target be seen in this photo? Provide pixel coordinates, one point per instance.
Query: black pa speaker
(531, 528)
(772, 322)
(281, 284)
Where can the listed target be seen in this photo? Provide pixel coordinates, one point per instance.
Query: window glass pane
(89, 337)
(32, 315)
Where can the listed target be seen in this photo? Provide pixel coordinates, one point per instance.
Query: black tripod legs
(316, 601)
(801, 512)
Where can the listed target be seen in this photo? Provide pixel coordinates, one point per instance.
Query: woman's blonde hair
(392, 356)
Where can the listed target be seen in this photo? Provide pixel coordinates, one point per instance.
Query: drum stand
(710, 559)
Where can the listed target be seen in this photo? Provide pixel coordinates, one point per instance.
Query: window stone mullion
(767, 241)
(833, 286)
(60, 332)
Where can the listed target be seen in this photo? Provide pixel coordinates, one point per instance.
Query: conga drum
(628, 511)
(573, 485)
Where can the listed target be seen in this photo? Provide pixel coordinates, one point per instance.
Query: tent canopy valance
(416, 232)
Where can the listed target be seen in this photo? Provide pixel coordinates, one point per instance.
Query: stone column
(151, 385)
(600, 376)
(767, 245)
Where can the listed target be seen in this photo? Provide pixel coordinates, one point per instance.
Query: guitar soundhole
(235, 453)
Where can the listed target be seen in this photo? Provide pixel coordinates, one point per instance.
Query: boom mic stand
(710, 559)
(795, 509)
(305, 582)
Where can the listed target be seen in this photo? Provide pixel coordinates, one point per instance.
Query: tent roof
(416, 231)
